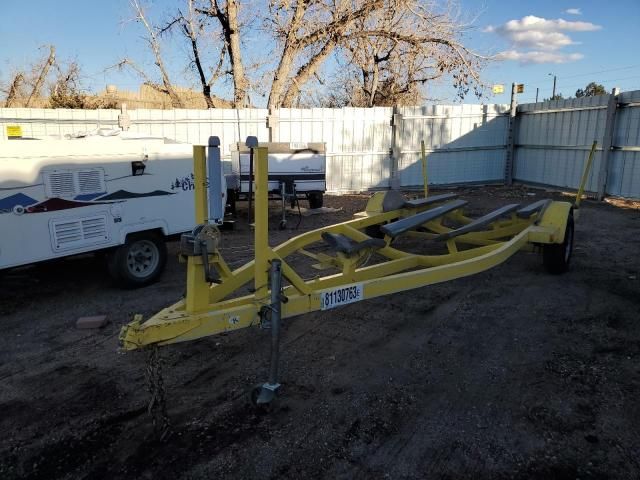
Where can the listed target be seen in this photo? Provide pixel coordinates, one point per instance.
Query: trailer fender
(142, 227)
(553, 222)
(385, 201)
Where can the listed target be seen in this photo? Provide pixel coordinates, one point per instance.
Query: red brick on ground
(96, 321)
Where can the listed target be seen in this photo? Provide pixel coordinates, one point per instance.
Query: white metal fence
(377, 148)
(623, 176)
(554, 138)
(552, 141)
(464, 141)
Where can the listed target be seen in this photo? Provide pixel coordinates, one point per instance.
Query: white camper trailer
(118, 193)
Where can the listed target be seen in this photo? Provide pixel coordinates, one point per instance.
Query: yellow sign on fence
(14, 131)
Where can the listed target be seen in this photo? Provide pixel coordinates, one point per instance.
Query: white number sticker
(341, 296)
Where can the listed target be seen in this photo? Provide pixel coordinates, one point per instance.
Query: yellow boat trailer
(363, 258)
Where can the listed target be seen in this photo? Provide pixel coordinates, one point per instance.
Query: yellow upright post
(200, 179)
(424, 169)
(197, 286)
(261, 226)
(585, 174)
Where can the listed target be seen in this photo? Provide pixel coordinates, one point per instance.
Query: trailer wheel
(556, 256)
(315, 199)
(140, 261)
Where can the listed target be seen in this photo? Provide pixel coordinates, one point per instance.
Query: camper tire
(139, 261)
(315, 199)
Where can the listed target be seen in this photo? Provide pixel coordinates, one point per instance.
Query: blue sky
(602, 47)
(609, 53)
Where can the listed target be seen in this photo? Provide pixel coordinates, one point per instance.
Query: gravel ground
(512, 373)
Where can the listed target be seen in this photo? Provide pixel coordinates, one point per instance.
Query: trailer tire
(556, 256)
(139, 261)
(316, 199)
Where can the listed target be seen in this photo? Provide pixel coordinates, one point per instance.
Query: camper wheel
(140, 261)
(315, 199)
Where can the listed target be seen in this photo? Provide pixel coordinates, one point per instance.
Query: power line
(603, 81)
(589, 73)
(542, 80)
(561, 85)
(601, 71)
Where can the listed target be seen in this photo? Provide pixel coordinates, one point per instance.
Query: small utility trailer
(113, 192)
(365, 259)
(296, 170)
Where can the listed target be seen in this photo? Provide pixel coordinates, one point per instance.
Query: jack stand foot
(264, 395)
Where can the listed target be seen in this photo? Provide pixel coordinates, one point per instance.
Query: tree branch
(176, 102)
(43, 75)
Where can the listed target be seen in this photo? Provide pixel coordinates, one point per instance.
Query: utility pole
(553, 95)
(508, 174)
(537, 90)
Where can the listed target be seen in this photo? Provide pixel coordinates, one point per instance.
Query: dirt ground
(512, 373)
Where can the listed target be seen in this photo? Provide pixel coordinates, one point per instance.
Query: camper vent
(60, 184)
(90, 181)
(67, 233)
(70, 183)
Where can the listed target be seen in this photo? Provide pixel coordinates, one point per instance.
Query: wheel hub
(143, 258)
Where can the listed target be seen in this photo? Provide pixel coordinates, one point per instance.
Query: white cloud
(539, 56)
(539, 40)
(531, 22)
(573, 11)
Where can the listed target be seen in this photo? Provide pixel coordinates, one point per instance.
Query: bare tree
(14, 89)
(44, 71)
(192, 23)
(228, 16)
(193, 29)
(63, 81)
(152, 37)
(66, 91)
(26, 85)
(393, 48)
(406, 45)
(309, 31)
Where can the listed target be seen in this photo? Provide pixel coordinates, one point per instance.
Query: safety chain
(157, 407)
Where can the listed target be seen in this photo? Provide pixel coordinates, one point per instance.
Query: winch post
(261, 226)
(197, 298)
